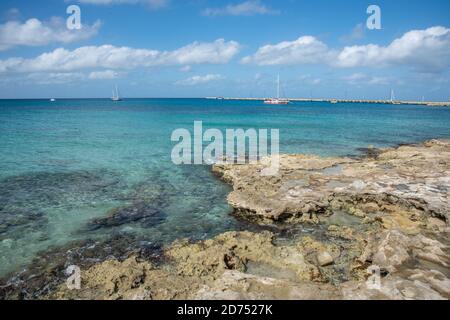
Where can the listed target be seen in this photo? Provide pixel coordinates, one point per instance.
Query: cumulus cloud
(427, 49)
(424, 50)
(195, 80)
(103, 75)
(154, 4)
(112, 57)
(304, 50)
(34, 32)
(246, 8)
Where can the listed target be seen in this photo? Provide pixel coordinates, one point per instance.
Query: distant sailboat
(277, 100)
(115, 95)
(52, 100)
(393, 101)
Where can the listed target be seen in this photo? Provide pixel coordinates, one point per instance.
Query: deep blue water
(65, 163)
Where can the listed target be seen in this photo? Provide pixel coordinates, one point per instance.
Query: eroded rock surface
(375, 228)
(409, 178)
(199, 266)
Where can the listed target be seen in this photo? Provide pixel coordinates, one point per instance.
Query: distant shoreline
(425, 103)
(327, 100)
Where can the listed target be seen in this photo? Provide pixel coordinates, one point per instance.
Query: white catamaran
(115, 95)
(277, 100)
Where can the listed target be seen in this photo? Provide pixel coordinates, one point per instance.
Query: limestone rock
(324, 259)
(234, 285)
(409, 177)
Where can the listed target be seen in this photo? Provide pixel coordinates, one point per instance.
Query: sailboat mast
(278, 87)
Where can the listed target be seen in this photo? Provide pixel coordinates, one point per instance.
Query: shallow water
(65, 164)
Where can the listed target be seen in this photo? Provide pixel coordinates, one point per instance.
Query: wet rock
(47, 270)
(13, 220)
(25, 198)
(144, 213)
(43, 189)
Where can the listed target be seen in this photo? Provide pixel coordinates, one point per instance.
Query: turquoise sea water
(64, 164)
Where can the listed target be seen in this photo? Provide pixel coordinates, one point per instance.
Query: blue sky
(195, 48)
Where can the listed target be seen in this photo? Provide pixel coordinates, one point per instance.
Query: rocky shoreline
(345, 220)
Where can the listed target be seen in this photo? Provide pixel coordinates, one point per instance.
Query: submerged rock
(25, 199)
(47, 270)
(45, 189)
(16, 220)
(144, 213)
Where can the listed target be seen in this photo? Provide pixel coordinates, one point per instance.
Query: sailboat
(115, 95)
(393, 101)
(277, 100)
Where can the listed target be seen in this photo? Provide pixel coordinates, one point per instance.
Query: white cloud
(246, 8)
(355, 77)
(54, 77)
(103, 75)
(424, 50)
(111, 57)
(361, 78)
(154, 4)
(34, 32)
(195, 80)
(304, 50)
(216, 52)
(379, 80)
(357, 33)
(309, 80)
(421, 49)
